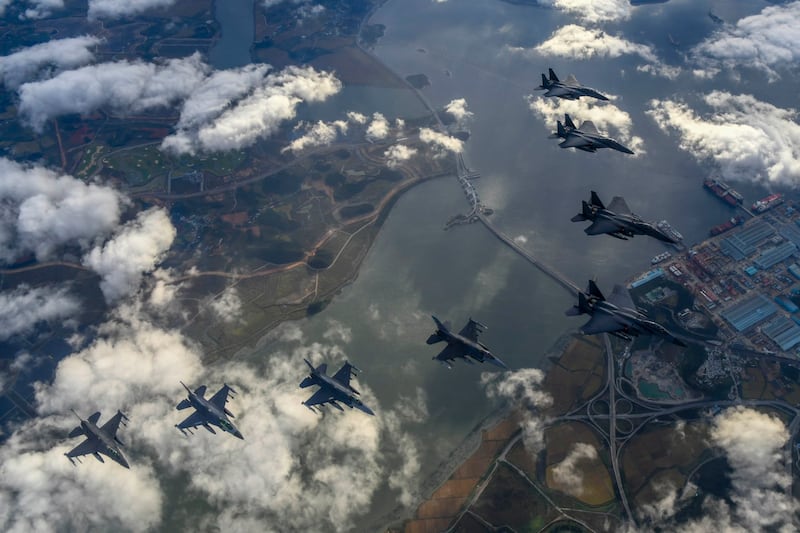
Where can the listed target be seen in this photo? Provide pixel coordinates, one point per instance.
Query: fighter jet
(333, 389)
(585, 138)
(463, 344)
(99, 440)
(617, 220)
(618, 315)
(568, 89)
(208, 412)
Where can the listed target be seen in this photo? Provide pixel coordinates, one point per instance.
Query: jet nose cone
(496, 362)
(124, 463)
(238, 434)
(365, 409)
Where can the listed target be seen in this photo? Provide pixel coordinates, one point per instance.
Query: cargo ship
(669, 230)
(660, 257)
(765, 204)
(730, 224)
(723, 191)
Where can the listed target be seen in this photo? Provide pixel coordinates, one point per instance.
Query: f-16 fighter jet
(333, 389)
(568, 89)
(585, 138)
(617, 220)
(463, 344)
(99, 440)
(211, 411)
(618, 315)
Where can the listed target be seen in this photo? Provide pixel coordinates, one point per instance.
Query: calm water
(415, 269)
(233, 48)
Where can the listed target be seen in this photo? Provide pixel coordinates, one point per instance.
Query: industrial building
(744, 242)
(750, 312)
(777, 254)
(782, 331)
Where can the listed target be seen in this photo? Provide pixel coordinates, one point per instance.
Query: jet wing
(221, 397)
(601, 323)
(601, 226)
(621, 298)
(451, 351)
(323, 395)
(110, 428)
(574, 141)
(193, 420)
(558, 91)
(344, 374)
(84, 448)
(472, 330)
(571, 80)
(618, 205)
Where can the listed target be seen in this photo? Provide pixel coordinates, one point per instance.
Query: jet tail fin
(585, 214)
(596, 201)
(434, 338)
(561, 132)
(184, 404)
(595, 291)
(78, 431)
(553, 76)
(545, 84)
(581, 308)
(568, 121)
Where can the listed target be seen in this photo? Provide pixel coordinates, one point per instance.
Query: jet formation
(617, 220)
(333, 389)
(568, 89)
(208, 412)
(463, 344)
(585, 138)
(617, 315)
(99, 440)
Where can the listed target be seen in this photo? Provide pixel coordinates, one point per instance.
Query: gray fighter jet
(585, 138)
(618, 315)
(617, 220)
(99, 440)
(208, 412)
(568, 89)
(333, 389)
(463, 344)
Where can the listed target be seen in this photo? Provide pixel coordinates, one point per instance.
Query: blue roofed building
(772, 256)
(750, 312)
(790, 232)
(745, 242)
(783, 332)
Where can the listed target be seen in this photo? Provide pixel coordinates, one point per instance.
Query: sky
(297, 471)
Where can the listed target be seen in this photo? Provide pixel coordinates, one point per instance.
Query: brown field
(598, 488)
(577, 376)
(660, 449)
(437, 512)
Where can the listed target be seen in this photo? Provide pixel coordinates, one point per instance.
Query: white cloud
(227, 306)
(23, 308)
(440, 141)
(378, 129)
(42, 8)
(577, 42)
(46, 59)
(259, 114)
(752, 442)
(136, 249)
(397, 153)
(123, 86)
(748, 139)
(113, 9)
(603, 115)
(522, 389)
(318, 134)
(458, 108)
(41, 210)
(594, 11)
(764, 41)
(568, 474)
